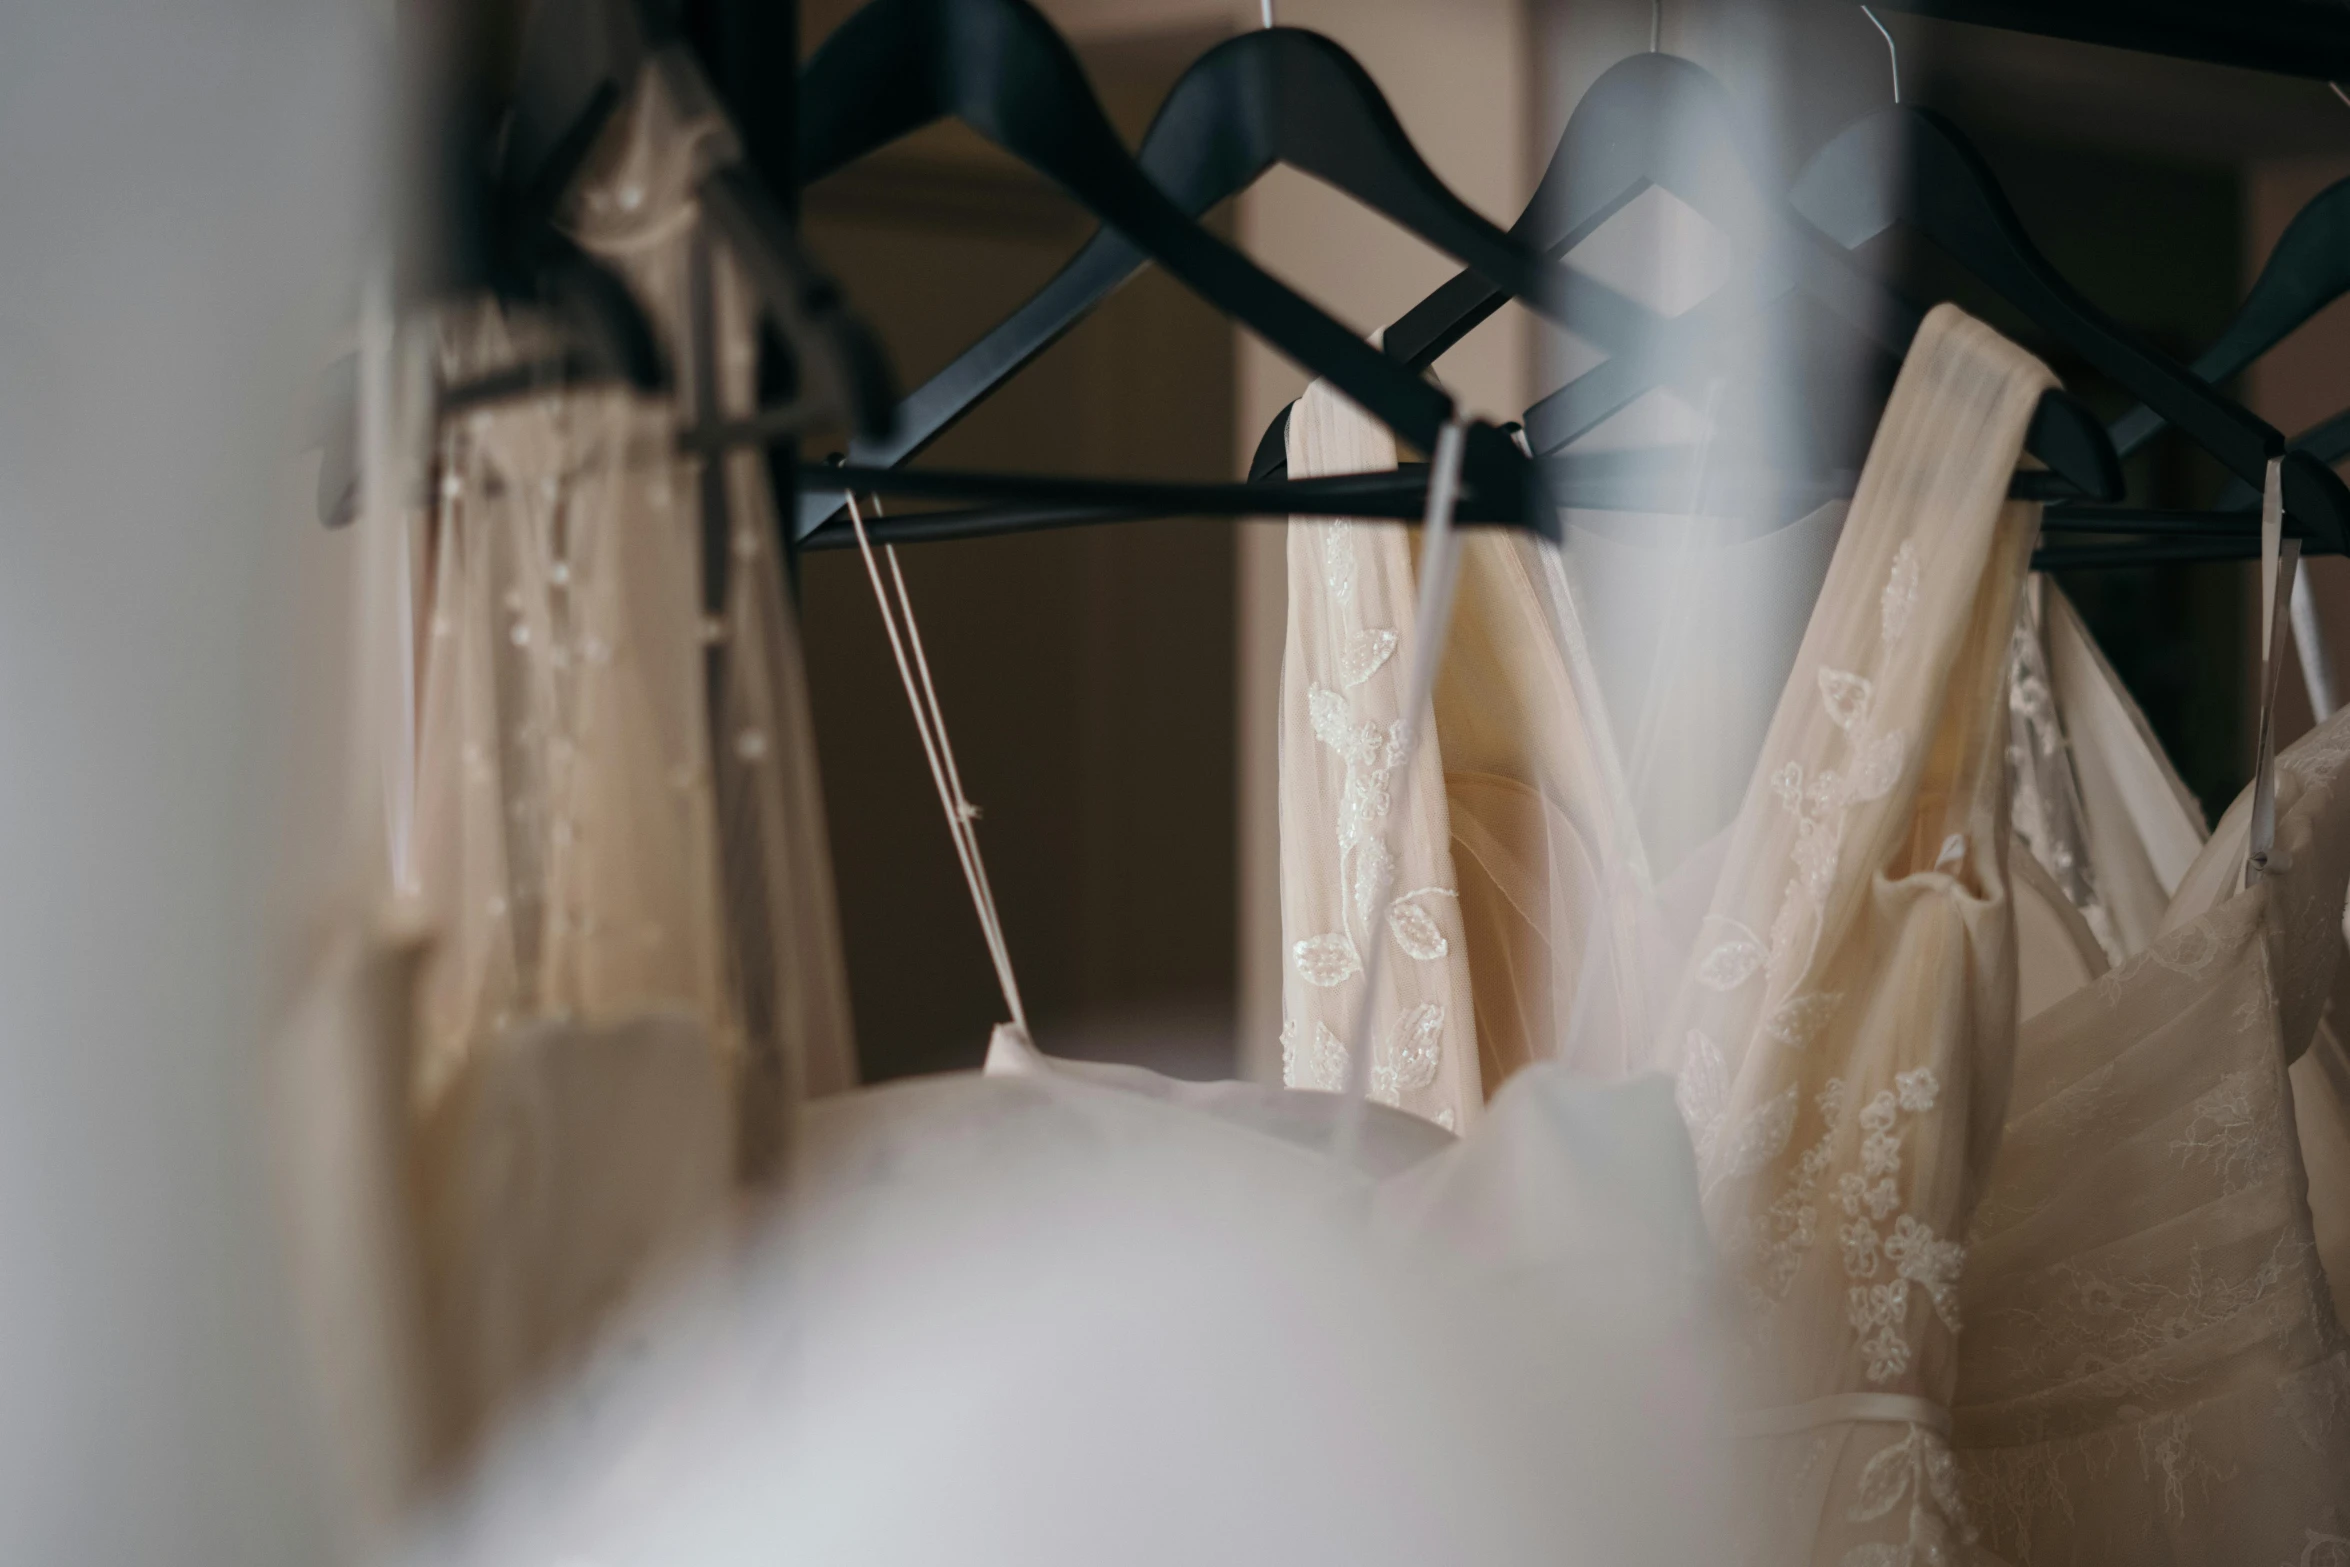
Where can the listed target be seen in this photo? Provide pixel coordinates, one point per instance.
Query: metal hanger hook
(1268, 9)
(1656, 25)
(1892, 50)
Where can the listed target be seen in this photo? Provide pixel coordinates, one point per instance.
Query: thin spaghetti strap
(930, 725)
(965, 811)
(2278, 559)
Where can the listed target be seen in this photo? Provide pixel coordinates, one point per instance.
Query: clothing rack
(2305, 38)
(749, 53)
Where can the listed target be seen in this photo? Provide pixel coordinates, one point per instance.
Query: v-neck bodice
(1836, 999)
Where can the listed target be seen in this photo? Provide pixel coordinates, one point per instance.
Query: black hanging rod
(2309, 38)
(1027, 502)
(2151, 552)
(2122, 535)
(1049, 500)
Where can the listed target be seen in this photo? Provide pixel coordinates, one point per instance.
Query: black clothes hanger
(1272, 96)
(1910, 165)
(2308, 270)
(1659, 120)
(998, 66)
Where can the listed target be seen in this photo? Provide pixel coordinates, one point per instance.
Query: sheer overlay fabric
(619, 811)
(1056, 1310)
(633, 973)
(1344, 745)
(1832, 980)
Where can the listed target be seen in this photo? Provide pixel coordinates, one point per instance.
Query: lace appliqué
(1320, 1065)
(1917, 1468)
(1407, 1064)
(2237, 1127)
(1365, 652)
(1900, 595)
(1774, 1243)
(2188, 951)
(2044, 796)
(1338, 560)
(1701, 1092)
(1819, 803)
(2104, 1332)
(1878, 1308)
(1370, 752)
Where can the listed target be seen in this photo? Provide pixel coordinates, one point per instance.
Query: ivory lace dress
(2087, 1327)
(2155, 1367)
(1832, 980)
(630, 973)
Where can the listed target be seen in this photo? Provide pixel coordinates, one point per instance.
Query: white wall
(182, 185)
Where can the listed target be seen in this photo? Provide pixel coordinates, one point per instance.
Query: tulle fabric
(1046, 1319)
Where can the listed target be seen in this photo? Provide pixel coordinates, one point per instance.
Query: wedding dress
(2155, 1368)
(1843, 1032)
(1062, 1304)
(613, 892)
(1043, 1319)
(1568, 861)
(619, 811)
(2151, 1366)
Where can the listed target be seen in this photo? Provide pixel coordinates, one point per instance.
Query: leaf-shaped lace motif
(1702, 1089)
(1413, 1049)
(1731, 964)
(1884, 1480)
(1338, 560)
(1335, 725)
(1416, 931)
(1901, 593)
(1796, 1022)
(1365, 651)
(1878, 767)
(1374, 869)
(1327, 960)
(1762, 1136)
(1847, 695)
(1320, 1066)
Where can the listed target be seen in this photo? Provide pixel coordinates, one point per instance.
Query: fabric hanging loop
(2279, 557)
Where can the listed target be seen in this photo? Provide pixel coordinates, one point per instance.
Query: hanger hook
(1268, 8)
(1656, 24)
(1892, 51)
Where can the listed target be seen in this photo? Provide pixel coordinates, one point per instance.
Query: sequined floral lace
(1344, 671)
